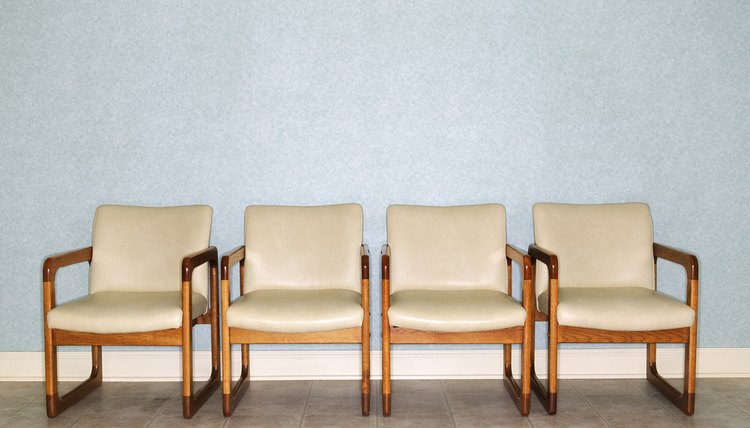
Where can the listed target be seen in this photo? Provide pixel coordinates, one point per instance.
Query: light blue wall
(431, 102)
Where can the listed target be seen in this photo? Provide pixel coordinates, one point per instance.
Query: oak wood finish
(244, 337)
(170, 337)
(514, 335)
(684, 400)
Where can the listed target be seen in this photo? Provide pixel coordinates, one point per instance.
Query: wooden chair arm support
(53, 263)
(364, 255)
(385, 262)
(674, 255)
(192, 261)
(228, 260)
(545, 256)
(524, 262)
(385, 268)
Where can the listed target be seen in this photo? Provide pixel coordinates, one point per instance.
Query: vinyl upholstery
(454, 311)
(296, 311)
(448, 269)
(606, 268)
(303, 247)
(135, 277)
(303, 269)
(124, 312)
(447, 248)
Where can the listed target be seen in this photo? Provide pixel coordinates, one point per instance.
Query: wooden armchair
(596, 283)
(446, 275)
(143, 292)
(303, 278)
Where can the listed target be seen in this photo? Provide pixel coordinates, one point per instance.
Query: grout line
(583, 396)
(447, 404)
(307, 401)
(162, 408)
(720, 395)
(668, 406)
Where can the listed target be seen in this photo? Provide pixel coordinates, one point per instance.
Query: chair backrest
(447, 248)
(141, 248)
(314, 247)
(606, 245)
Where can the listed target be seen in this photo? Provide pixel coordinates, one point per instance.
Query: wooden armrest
(680, 257)
(545, 256)
(53, 263)
(230, 259)
(192, 261)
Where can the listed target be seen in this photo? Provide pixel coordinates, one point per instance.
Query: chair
(142, 292)
(446, 275)
(596, 283)
(303, 278)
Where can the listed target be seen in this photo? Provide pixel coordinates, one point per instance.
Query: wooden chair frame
(685, 400)
(245, 337)
(522, 335)
(181, 336)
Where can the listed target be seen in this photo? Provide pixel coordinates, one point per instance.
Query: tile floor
(721, 403)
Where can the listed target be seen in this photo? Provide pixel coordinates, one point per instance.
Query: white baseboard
(406, 364)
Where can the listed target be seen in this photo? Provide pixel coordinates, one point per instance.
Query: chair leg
(547, 395)
(386, 371)
(684, 400)
(366, 371)
(192, 401)
(521, 394)
(231, 395)
(57, 404)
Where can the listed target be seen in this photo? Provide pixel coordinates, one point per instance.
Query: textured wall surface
(430, 102)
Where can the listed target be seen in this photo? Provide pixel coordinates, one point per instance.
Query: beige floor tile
(10, 406)
(493, 404)
(470, 386)
(418, 397)
(109, 421)
(22, 389)
(198, 421)
(618, 404)
(335, 397)
(34, 421)
(212, 407)
(482, 421)
(274, 398)
(588, 387)
(591, 420)
(263, 421)
(416, 421)
(648, 420)
(336, 421)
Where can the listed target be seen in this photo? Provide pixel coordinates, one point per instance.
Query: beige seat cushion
(124, 312)
(296, 311)
(317, 247)
(454, 311)
(619, 309)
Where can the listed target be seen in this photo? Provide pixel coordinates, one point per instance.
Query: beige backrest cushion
(447, 248)
(606, 245)
(303, 247)
(141, 248)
